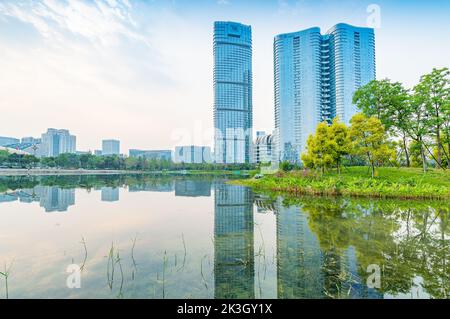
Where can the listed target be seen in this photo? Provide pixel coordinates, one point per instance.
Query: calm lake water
(175, 237)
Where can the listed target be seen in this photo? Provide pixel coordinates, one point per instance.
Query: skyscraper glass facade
(315, 78)
(232, 92)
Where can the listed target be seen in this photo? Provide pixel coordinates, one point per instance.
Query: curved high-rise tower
(315, 78)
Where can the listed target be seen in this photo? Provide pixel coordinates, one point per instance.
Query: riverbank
(57, 172)
(390, 182)
(43, 172)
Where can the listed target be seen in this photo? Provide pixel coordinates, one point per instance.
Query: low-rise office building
(192, 154)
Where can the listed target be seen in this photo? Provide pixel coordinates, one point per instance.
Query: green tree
(388, 102)
(417, 127)
(369, 139)
(3, 157)
(434, 90)
(340, 143)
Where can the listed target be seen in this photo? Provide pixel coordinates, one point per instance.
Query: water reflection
(51, 198)
(233, 242)
(192, 188)
(110, 194)
(322, 247)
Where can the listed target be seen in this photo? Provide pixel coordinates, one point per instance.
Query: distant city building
(30, 145)
(110, 194)
(12, 150)
(152, 154)
(97, 152)
(262, 149)
(56, 142)
(192, 154)
(233, 119)
(33, 149)
(30, 140)
(315, 78)
(25, 148)
(110, 147)
(8, 140)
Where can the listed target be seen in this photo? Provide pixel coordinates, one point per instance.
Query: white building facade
(192, 154)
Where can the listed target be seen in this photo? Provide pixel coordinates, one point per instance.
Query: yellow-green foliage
(327, 146)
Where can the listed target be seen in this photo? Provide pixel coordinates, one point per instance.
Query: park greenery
(389, 182)
(396, 131)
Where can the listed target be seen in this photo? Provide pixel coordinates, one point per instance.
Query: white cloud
(101, 22)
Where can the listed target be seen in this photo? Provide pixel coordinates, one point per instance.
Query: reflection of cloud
(102, 21)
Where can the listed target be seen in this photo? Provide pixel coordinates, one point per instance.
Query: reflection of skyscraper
(110, 194)
(8, 198)
(55, 199)
(192, 188)
(298, 256)
(233, 242)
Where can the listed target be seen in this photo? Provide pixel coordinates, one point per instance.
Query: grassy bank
(390, 182)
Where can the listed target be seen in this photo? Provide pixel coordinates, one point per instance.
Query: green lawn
(356, 181)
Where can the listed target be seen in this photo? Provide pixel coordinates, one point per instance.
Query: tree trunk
(448, 157)
(373, 169)
(438, 138)
(408, 164)
(422, 154)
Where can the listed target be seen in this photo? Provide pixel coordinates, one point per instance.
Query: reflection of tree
(93, 181)
(406, 239)
(432, 248)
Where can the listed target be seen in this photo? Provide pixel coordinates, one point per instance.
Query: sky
(141, 71)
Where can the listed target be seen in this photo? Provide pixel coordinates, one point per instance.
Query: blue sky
(141, 71)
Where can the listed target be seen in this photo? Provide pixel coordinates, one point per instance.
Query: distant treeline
(112, 162)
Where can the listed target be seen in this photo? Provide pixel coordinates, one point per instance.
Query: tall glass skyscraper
(315, 78)
(232, 92)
